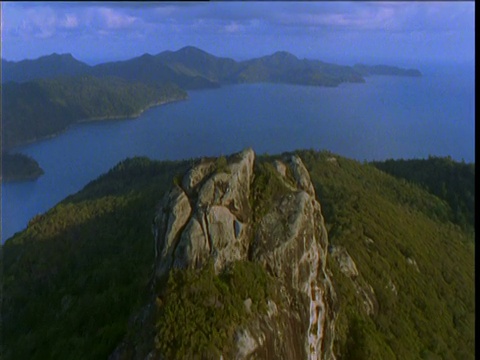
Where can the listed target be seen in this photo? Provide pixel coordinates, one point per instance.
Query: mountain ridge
(209, 68)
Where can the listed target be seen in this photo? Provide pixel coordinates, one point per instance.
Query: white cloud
(115, 20)
(233, 27)
(69, 22)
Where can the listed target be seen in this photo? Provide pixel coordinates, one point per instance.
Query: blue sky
(342, 32)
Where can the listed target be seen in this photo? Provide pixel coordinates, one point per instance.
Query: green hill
(75, 279)
(45, 107)
(19, 167)
(451, 181)
(53, 65)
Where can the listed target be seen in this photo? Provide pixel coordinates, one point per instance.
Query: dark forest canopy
(45, 107)
(19, 167)
(451, 181)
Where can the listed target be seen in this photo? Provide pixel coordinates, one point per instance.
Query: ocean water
(388, 117)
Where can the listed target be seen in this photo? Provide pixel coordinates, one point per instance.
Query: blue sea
(387, 117)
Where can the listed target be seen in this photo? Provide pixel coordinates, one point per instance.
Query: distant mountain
(193, 68)
(153, 70)
(196, 62)
(284, 67)
(367, 70)
(44, 67)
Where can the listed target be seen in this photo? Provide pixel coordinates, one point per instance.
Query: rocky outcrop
(212, 215)
(208, 217)
(348, 268)
(291, 242)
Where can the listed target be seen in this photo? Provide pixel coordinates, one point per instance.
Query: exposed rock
(246, 344)
(367, 295)
(392, 287)
(171, 217)
(345, 261)
(248, 304)
(217, 221)
(348, 267)
(196, 174)
(332, 159)
(280, 167)
(301, 175)
(369, 241)
(413, 263)
(211, 217)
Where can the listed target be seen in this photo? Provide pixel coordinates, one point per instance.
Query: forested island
(79, 280)
(366, 70)
(41, 108)
(19, 167)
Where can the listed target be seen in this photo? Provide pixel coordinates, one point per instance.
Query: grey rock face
(210, 217)
(291, 242)
(212, 221)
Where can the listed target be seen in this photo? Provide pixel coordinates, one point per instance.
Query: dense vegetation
(18, 167)
(451, 181)
(45, 107)
(44, 67)
(77, 274)
(199, 311)
(419, 264)
(73, 277)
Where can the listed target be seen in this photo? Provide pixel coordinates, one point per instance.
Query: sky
(342, 32)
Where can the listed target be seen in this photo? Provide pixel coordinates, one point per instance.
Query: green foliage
(221, 164)
(451, 181)
(267, 187)
(44, 107)
(73, 278)
(18, 167)
(200, 311)
(386, 224)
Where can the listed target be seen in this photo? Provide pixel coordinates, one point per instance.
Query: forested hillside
(75, 276)
(419, 264)
(451, 181)
(41, 108)
(19, 167)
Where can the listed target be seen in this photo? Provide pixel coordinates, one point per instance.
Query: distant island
(367, 70)
(19, 167)
(43, 97)
(193, 68)
(41, 108)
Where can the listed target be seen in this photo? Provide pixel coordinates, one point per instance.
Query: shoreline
(14, 148)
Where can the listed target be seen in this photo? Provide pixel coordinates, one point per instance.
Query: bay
(388, 117)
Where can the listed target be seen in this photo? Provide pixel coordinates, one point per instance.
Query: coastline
(15, 147)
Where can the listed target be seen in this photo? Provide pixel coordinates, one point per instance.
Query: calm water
(387, 117)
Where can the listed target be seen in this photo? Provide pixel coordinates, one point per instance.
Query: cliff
(225, 211)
